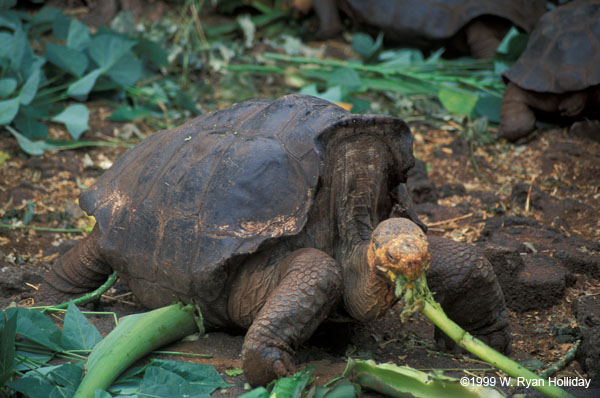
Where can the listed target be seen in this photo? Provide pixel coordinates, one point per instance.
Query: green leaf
(291, 387)
(126, 71)
(457, 101)
(82, 87)
(363, 45)
(38, 328)
(17, 49)
(8, 110)
(106, 49)
(161, 383)
(23, 357)
(30, 88)
(150, 51)
(259, 392)
(203, 378)
(345, 77)
(101, 394)
(45, 17)
(8, 332)
(129, 114)
(69, 59)
(6, 4)
(333, 94)
(342, 389)
(60, 26)
(513, 44)
(32, 387)
(7, 86)
(75, 117)
(28, 146)
(26, 122)
(489, 106)
(78, 333)
(5, 47)
(78, 37)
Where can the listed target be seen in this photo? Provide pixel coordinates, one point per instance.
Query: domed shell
(176, 208)
(563, 52)
(412, 20)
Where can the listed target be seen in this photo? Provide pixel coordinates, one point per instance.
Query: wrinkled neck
(367, 295)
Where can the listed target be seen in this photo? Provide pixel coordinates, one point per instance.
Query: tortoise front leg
(309, 288)
(78, 271)
(464, 283)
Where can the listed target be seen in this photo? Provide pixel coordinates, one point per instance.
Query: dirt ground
(554, 163)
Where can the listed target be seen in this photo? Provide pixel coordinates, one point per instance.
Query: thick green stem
(434, 312)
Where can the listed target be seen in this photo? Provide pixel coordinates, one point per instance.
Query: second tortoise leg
(464, 283)
(309, 289)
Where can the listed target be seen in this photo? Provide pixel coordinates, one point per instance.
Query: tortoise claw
(263, 364)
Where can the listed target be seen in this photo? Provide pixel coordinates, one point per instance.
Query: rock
(447, 190)
(587, 311)
(534, 263)
(13, 279)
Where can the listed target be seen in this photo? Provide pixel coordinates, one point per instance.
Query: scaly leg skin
(309, 289)
(464, 283)
(517, 119)
(484, 37)
(78, 271)
(330, 25)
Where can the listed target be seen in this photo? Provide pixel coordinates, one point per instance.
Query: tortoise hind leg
(78, 271)
(464, 283)
(309, 288)
(484, 35)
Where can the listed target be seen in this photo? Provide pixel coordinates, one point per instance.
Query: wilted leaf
(456, 101)
(7, 86)
(69, 59)
(78, 333)
(75, 117)
(8, 110)
(30, 88)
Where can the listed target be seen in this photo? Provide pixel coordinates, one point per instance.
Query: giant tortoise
(270, 215)
(471, 26)
(558, 74)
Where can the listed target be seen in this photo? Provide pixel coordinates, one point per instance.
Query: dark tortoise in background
(474, 27)
(558, 73)
(270, 215)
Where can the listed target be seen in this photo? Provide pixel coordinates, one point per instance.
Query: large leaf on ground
(37, 327)
(161, 383)
(203, 378)
(78, 333)
(50, 382)
(75, 117)
(69, 59)
(8, 331)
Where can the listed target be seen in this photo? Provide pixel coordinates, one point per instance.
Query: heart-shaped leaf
(75, 117)
(69, 59)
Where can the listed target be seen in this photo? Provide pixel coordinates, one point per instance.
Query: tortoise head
(398, 247)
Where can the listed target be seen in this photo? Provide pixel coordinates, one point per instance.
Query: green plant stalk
(91, 296)
(420, 298)
(135, 336)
